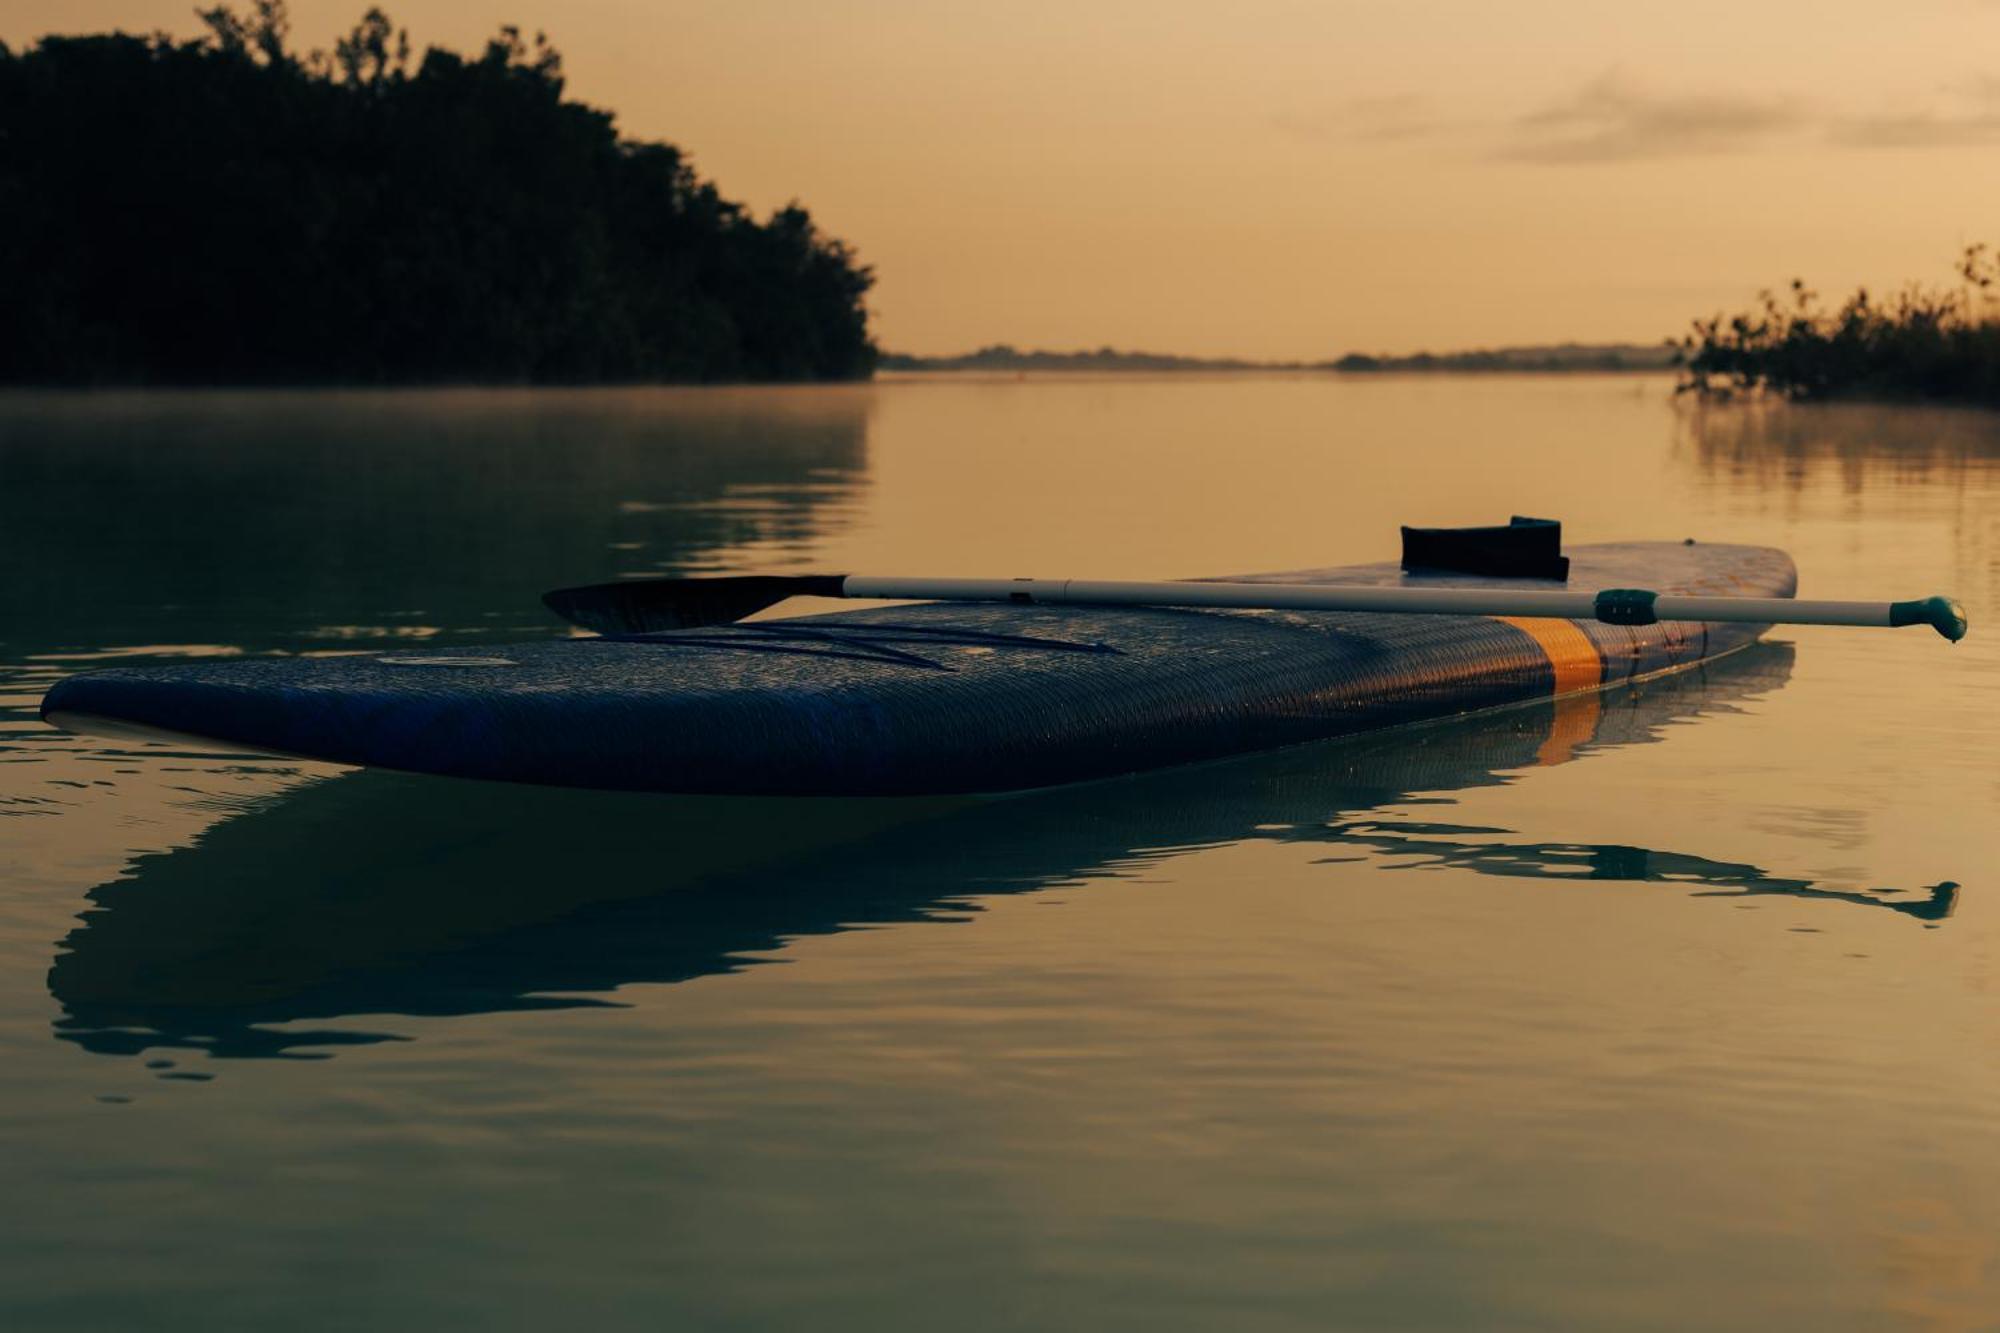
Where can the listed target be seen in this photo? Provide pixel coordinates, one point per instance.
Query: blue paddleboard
(931, 698)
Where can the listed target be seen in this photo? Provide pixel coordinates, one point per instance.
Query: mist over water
(1670, 1007)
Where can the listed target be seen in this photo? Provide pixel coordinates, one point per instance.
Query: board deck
(932, 698)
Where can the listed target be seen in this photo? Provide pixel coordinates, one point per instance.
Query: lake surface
(1675, 1008)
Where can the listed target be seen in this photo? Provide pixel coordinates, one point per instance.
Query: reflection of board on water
(376, 893)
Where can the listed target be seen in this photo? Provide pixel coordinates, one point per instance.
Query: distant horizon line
(1567, 355)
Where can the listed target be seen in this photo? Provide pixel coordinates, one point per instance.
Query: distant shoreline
(1558, 358)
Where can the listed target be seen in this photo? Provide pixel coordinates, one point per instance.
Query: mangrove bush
(1923, 343)
(228, 210)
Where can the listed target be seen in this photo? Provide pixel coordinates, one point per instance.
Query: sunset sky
(1290, 179)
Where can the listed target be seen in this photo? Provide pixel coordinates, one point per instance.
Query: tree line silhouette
(1548, 359)
(1923, 343)
(227, 210)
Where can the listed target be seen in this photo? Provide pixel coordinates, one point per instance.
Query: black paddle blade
(646, 606)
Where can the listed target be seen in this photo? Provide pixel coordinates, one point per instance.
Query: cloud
(1613, 120)
(1923, 129)
(1972, 117)
(1393, 119)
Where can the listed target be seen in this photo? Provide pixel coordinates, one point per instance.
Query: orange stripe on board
(1578, 667)
(1570, 651)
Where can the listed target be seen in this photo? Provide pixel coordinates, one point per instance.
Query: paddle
(644, 606)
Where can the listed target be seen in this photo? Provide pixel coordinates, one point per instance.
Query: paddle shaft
(650, 606)
(1617, 606)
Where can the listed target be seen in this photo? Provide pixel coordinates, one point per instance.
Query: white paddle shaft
(1330, 597)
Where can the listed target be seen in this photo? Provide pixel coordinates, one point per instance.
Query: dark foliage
(1556, 359)
(1562, 357)
(1007, 357)
(223, 210)
(1923, 344)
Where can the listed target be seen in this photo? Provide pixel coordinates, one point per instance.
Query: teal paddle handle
(1942, 614)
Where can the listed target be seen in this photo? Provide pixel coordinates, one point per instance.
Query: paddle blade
(647, 606)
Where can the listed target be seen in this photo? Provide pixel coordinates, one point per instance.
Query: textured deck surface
(932, 698)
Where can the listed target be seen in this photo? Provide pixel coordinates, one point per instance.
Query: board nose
(111, 705)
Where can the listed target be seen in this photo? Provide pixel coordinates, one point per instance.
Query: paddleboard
(931, 698)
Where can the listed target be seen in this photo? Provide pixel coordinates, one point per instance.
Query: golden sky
(1281, 178)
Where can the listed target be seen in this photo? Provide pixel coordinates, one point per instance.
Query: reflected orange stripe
(1574, 724)
(1578, 668)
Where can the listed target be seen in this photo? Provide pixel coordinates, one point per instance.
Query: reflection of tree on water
(1790, 446)
(1855, 468)
(381, 894)
(272, 520)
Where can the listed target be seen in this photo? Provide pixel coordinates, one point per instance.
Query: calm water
(1676, 1008)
